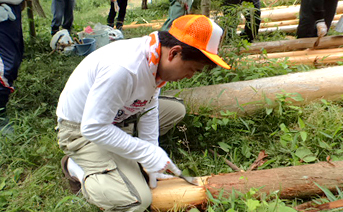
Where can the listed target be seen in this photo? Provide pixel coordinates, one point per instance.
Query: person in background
(115, 86)
(252, 20)
(63, 14)
(117, 6)
(11, 53)
(177, 8)
(315, 17)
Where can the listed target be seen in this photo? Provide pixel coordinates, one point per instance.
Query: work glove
(322, 29)
(153, 177)
(185, 4)
(6, 13)
(163, 163)
(116, 6)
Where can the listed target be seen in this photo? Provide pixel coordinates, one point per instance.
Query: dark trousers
(310, 12)
(121, 14)
(11, 53)
(253, 20)
(62, 11)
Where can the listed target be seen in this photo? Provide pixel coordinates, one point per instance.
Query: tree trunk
(296, 53)
(134, 26)
(290, 182)
(265, 24)
(246, 97)
(144, 4)
(291, 12)
(296, 44)
(31, 19)
(288, 29)
(205, 7)
(305, 57)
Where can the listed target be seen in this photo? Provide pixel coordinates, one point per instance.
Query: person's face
(173, 68)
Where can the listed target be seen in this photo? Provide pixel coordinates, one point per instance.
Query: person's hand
(116, 6)
(184, 3)
(162, 164)
(153, 177)
(6, 13)
(322, 29)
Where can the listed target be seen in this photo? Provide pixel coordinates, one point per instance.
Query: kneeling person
(118, 84)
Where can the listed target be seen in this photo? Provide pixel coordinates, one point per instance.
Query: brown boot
(74, 183)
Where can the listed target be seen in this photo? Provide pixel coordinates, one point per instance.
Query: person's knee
(179, 111)
(115, 196)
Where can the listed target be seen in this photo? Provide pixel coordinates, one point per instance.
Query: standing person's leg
(109, 181)
(122, 12)
(68, 14)
(111, 15)
(307, 26)
(175, 10)
(11, 55)
(171, 111)
(57, 10)
(330, 7)
(253, 21)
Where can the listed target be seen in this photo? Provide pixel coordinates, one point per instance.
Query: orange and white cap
(199, 32)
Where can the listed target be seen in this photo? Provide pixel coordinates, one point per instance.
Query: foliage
(31, 177)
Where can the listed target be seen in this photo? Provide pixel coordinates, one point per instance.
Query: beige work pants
(112, 182)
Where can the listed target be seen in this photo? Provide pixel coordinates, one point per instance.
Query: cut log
(296, 53)
(319, 59)
(155, 25)
(284, 22)
(290, 182)
(247, 97)
(288, 13)
(287, 29)
(293, 45)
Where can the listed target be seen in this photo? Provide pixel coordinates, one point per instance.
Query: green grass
(32, 180)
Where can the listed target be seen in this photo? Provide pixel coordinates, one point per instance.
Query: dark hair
(188, 52)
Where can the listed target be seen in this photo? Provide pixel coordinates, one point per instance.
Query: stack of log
(296, 51)
(299, 51)
(285, 18)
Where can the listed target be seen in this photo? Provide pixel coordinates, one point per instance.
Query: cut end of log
(175, 194)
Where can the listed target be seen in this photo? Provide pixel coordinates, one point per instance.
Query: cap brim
(216, 59)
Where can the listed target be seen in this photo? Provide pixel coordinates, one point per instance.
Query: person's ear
(175, 50)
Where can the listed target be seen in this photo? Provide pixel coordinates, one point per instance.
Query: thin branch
(229, 163)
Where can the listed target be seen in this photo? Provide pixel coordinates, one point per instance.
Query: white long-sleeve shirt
(108, 86)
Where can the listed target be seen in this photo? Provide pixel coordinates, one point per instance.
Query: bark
(205, 7)
(293, 45)
(38, 8)
(288, 29)
(31, 18)
(319, 59)
(153, 25)
(296, 53)
(247, 97)
(144, 4)
(291, 12)
(290, 182)
(265, 24)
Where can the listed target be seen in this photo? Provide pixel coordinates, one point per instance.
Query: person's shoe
(119, 25)
(75, 185)
(110, 24)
